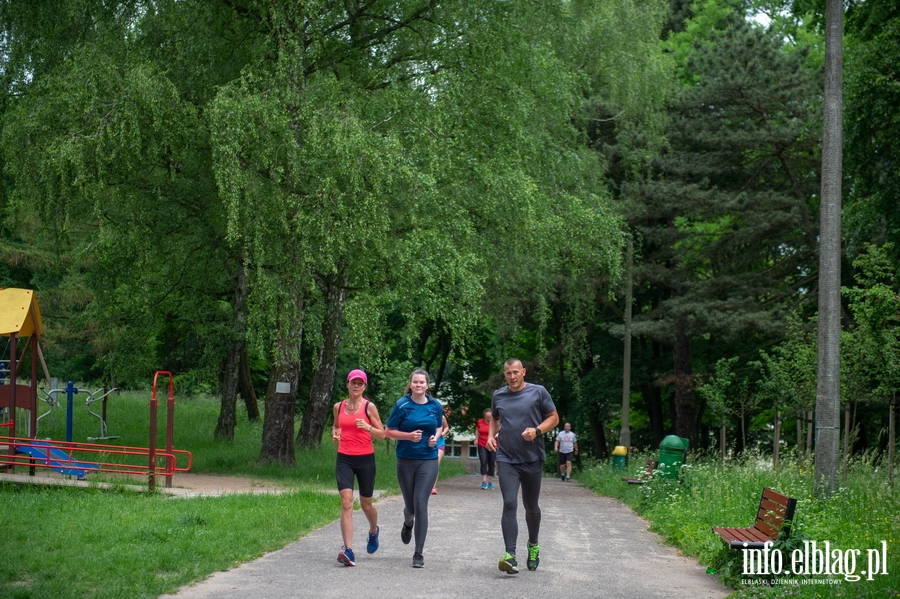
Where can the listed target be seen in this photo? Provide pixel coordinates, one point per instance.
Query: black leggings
(488, 459)
(528, 476)
(417, 479)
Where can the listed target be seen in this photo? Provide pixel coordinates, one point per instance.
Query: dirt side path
(217, 484)
(184, 484)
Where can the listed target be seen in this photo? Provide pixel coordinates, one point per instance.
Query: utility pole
(625, 434)
(828, 381)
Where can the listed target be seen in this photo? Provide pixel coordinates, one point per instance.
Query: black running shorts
(361, 466)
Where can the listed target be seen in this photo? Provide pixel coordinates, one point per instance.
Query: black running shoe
(418, 560)
(406, 533)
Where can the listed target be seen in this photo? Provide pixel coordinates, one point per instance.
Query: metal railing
(93, 457)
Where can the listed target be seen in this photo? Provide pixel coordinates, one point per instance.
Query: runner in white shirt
(565, 447)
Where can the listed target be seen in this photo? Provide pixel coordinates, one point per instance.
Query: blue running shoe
(490, 486)
(484, 486)
(372, 545)
(346, 557)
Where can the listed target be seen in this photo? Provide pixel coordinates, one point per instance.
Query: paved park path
(591, 546)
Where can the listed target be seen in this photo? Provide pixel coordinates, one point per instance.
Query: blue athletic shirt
(408, 416)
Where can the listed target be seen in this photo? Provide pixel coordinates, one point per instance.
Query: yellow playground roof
(19, 313)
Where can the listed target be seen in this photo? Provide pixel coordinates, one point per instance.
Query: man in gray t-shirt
(522, 412)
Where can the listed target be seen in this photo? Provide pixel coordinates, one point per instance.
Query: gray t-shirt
(566, 441)
(516, 412)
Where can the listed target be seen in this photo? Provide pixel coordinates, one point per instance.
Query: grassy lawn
(864, 512)
(61, 543)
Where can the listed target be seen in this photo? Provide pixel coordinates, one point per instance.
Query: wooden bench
(645, 476)
(773, 520)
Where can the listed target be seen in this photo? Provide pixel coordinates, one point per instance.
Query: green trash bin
(619, 457)
(672, 452)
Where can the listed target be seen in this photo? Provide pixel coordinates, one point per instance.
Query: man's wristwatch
(537, 431)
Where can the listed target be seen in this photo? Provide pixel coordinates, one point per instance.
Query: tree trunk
(599, 435)
(655, 412)
(281, 394)
(809, 432)
(245, 385)
(685, 408)
(278, 423)
(828, 382)
(446, 348)
(228, 410)
(744, 429)
(653, 393)
(422, 342)
(892, 440)
(722, 445)
(319, 405)
(776, 441)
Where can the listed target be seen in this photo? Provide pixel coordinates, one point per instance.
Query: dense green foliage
(313, 186)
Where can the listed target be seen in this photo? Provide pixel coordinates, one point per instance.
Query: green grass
(65, 543)
(860, 515)
(88, 543)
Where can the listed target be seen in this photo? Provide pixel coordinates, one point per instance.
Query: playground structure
(20, 318)
(100, 395)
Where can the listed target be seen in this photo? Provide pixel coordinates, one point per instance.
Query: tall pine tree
(728, 217)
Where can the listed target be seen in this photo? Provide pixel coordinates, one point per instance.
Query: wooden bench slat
(770, 517)
(742, 534)
(770, 506)
(766, 529)
(775, 496)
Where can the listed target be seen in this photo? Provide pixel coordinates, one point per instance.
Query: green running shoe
(534, 556)
(508, 564)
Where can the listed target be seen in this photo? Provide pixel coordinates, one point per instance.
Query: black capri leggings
(488, 459)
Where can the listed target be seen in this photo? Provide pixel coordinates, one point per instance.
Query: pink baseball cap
(358, 374)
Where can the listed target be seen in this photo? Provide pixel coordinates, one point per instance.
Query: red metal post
(151, 472)
(170, 427)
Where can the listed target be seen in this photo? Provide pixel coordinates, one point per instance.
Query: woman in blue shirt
(414, 422)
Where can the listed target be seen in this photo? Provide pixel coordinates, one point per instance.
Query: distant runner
(566, 446)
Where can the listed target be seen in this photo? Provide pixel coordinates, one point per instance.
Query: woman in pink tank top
(356, 424)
